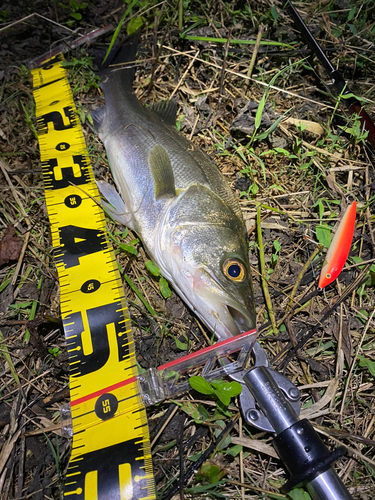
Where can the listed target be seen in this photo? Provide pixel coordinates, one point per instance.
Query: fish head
(204, 252)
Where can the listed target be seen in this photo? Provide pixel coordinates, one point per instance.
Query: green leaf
(353, 11)
(299, 494)
(76, 15)
(210, 473)
(282, 151)
(321, 209)
(277, 245)
(139, 295)
(367, 363)
(234, 450)
(235, 41)
(356, 260)
(274, 13)
(5, 354)
(195, 458)
(232, 389)
(218, 384)
(190, 409)
(259, 113)
(181, 345)
(203, 412)
(201, 385)
(21, 305)
(265, 134)
(154, 270)
(134, 24)
(204, 488)
(224, 443)
(164, 288)
(128, 248)
(323, 234)
(221, 410)
(55, 351)
(352, 28)
(336, 31)
(5, 284)
(222, 396)
(350, 95)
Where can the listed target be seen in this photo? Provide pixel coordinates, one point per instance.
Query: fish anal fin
(166, 110)
(162, 173)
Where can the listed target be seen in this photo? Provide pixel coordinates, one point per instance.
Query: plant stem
(300, 276)
(263, 273)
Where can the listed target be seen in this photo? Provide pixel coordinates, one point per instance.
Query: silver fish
(177, 201)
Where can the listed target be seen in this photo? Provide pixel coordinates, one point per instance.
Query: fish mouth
(242, 323)
(222, 313)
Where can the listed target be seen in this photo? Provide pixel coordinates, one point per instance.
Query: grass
(290, 180)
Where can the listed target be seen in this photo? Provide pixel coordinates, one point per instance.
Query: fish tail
(115, 67)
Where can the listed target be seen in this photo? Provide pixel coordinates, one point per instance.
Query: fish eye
(234, 270)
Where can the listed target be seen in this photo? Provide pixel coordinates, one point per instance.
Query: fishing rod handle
(328, 486)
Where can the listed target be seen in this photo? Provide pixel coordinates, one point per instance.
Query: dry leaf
(312, 127)
(328, 398)
(10, 246)
(256, 445)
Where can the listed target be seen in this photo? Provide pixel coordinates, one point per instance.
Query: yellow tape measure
(111, 456)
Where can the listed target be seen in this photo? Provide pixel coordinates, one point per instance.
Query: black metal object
(297, 444)
(304, 453)
(354, 105)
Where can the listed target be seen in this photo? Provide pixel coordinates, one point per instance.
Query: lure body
(339, 249)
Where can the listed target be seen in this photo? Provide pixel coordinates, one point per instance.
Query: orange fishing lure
(339, 249)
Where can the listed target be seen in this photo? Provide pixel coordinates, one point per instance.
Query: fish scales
(175, 198)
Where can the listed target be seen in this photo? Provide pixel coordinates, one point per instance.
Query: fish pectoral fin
(98, 116)
(162, 173)
(116, 208)
(166, 110)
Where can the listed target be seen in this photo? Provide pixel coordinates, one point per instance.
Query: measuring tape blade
(111, 453)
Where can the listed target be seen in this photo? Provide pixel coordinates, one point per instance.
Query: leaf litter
(298, 180)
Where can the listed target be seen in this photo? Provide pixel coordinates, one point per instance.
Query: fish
(173, 196)
(339, 248)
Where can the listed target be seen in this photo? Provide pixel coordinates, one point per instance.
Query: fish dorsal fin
(162, 173)
(166, 110)
(98, 117)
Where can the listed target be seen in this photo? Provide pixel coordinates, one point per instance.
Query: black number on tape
(73, 201)
(57, 120)
(62, 146)
(106, 406)
(99, 318)
(76, 242)
(105, 474)
(56, 177)
(90, 286)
